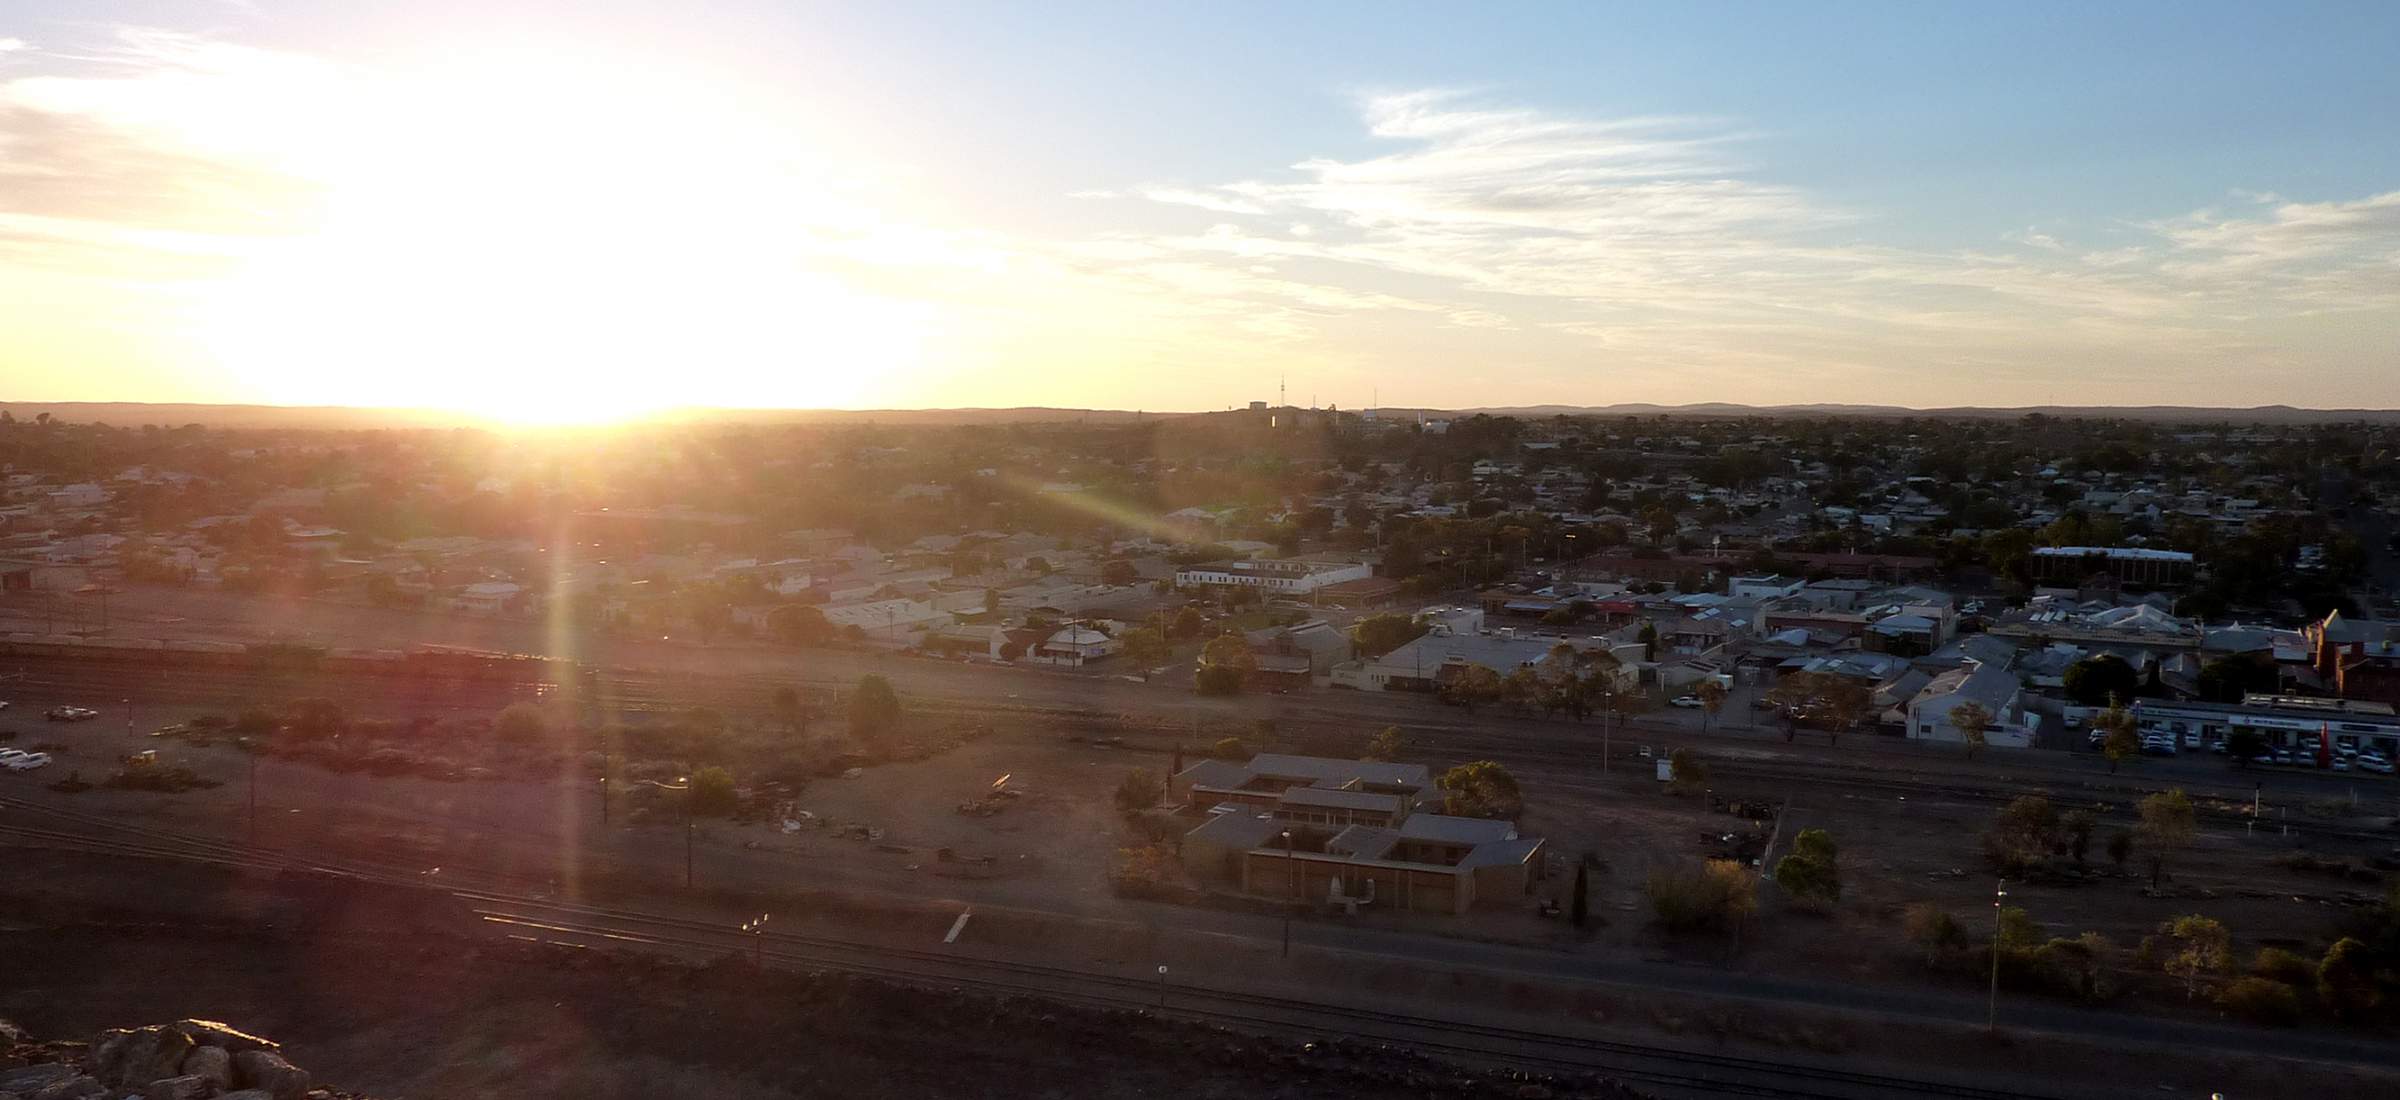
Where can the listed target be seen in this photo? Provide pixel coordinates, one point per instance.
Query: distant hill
(2259, 414)
(130, 413)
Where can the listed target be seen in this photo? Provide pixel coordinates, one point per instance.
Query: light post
(1992, 1015)
(604, 800)
(682, 786)
(1292, 885)
(756, 929)
(1162, 987)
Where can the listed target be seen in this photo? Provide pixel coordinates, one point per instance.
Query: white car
(2374, 762)
(1689, 702)
(71, 714)
(24, 761)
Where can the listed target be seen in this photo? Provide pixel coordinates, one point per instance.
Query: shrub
(1385, 745)
(1715, 895)
(712, 793)
(1230, 748)
(2278, 965)
(1685, 770)
(1217, 680)
(874, 709)
(521, 724)
(2261, 1001)
(1139, 790)
(1812, 882)
(1934, 930)
(1147, 871)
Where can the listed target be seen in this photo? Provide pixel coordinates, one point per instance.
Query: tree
(1811, 873)
(1385, 745)
(1685, 770)
(1187, 624)
(874, 709)
(712, 793)
(2196, 948)
(1973, 721)
(2022, 835)
(2099, 680)
(1474, 686)
(1481, 789)
(1225, 665)
(1145, 646)
(1139, 790)
(786, 704)
(799, 625)
(2078, 825)
(1712, 699)
(1118, 572)
(2346, 979)
(1520, 689)
(2167, 827)
(2119, 740)
(1649, 640)
(1579, 906)
(2120, 846)
(1377, 635)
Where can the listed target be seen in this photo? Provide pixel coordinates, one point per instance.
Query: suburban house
(1998, 692)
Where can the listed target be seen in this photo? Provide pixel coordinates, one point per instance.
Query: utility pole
(604, 798)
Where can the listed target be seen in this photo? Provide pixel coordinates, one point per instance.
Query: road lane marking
(957, 926)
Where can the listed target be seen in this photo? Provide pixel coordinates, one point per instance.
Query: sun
(543, 245)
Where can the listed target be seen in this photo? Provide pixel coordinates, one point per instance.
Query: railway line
(1671, 1071)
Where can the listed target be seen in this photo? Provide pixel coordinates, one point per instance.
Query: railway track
(1682, 1072)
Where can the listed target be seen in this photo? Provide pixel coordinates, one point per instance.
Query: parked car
(2191, 741)
(24, 761)
(1689, 702)
(71, 714)
(2374, 762)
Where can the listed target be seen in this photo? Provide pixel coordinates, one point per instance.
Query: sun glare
(547, 245)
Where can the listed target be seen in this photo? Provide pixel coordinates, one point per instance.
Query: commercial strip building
(1349, 833)
(2128, 564)
(1284, 576)
(2283, 721)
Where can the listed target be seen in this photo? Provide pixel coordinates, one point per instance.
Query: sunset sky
(583, 210)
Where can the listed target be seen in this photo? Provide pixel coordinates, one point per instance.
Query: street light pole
(603, 800)
(756, 929)
(253, 827)
(1292, 886)
(1992, 1015)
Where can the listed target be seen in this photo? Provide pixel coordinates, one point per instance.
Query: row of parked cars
(2345, 758)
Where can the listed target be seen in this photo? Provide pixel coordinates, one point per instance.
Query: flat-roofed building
(1282, 575)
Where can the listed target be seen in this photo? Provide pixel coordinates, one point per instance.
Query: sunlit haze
(849, 206)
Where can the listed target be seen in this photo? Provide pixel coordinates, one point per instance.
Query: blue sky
(1169, 206)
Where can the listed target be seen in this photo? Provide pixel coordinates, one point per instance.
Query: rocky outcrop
(265, 1069)
(184, 1060)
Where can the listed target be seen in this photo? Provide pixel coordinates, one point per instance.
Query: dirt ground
(365, 998)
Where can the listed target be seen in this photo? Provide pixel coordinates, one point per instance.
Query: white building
(1998, 692)
(1274, 576)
